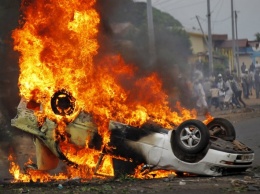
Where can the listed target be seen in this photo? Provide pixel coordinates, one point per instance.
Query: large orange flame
(57, 42)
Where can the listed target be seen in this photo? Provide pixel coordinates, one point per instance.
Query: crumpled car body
(191, 147)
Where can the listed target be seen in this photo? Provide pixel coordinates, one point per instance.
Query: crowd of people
(225, 91)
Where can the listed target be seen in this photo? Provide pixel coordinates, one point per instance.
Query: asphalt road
(248, 132)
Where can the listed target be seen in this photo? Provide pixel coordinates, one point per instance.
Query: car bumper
(215, 163)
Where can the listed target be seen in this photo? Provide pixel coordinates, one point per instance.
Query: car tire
(191, 137)
(222, 128)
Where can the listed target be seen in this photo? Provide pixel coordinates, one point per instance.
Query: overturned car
(192, 147)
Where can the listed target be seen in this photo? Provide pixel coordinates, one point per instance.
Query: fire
(147, 174)
(43, 176)
(208, 119)
(57, 42)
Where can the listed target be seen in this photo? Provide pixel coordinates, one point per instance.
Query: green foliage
(220, 62)
(257, 36)
(219, 67)
(165, 19)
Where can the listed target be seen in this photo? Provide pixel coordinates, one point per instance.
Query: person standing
(257, 82)
(245, 84)
(221, 87)
(250, 81)
(243, 67)
(252, 67)
(257, 65)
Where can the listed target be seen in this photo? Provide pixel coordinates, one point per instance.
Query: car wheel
(191, 136)
(222, 128)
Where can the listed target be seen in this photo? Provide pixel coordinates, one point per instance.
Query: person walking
(228, 95)
(237, 89)
(214, 96)
(222, 92)
(201, 102)
(245, 84)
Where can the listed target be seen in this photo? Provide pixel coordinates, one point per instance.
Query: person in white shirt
(214, 96)
(245, 84)
(228, 95)
(221, 87)
(201, 102)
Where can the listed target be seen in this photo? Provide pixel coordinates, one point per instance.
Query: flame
(57, 42)
(43, 176)
(147, 174)
(208, 119)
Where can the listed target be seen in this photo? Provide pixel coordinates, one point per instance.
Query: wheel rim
(190, 136)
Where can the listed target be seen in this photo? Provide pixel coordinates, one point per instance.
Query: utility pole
(237, 47)
(205, 39)
(209, 39)
(152, 52)
(233, 36)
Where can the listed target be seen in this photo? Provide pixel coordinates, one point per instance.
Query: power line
(215, 5)
(163, 2)
(171, 1)
(221, 5)
(216, 21)
(156, 1)
(185, 6)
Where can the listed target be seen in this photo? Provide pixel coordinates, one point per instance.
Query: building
(199, 46)
(247, 51)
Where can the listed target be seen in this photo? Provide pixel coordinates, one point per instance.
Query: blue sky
(248, 15)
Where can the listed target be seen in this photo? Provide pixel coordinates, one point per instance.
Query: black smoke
(9, 71)
(171, 42)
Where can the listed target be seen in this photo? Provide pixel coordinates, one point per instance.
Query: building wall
(198, 46)
(246, 59)
(197, 43)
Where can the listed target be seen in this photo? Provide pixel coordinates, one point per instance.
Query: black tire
(191, 136)
(224, 129)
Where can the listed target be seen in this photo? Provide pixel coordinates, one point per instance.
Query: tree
(257, 35)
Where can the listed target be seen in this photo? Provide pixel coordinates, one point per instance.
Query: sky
(185, 11)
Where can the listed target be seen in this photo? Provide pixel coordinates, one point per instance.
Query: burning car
(191, 147)
(88, 107)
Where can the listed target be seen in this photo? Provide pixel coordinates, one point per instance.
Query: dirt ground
(248, 182)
